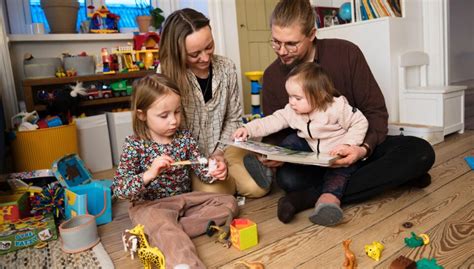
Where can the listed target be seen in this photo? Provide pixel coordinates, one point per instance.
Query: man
(385, 161)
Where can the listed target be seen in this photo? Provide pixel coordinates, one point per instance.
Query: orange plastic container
(38, 149)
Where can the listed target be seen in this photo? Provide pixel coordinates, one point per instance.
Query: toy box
(83, 195)
(120, 126)
(94, 142)
(243, 233)
(14, 207)
(26, 232)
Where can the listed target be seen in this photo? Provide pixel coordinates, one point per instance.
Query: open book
(281, 154)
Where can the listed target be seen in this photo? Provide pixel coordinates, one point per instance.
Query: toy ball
(345, 11)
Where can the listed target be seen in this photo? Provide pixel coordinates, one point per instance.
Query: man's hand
(349, 155)
(269, 163)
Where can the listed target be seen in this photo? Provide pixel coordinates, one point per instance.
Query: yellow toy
(374, 250)
(148, 255)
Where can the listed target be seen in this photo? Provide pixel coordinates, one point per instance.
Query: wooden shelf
(96, 77)
(30, 85)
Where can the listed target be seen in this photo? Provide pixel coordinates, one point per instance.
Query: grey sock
(261, 174)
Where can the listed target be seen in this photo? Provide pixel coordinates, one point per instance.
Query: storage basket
(38, 149)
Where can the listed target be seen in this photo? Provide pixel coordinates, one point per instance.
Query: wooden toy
(403, 262)
(148, 255)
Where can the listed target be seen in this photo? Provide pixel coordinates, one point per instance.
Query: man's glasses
(291, 47)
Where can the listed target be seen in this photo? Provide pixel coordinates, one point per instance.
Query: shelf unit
(30, 86)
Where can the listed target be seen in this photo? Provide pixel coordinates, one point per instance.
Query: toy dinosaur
(350, 259)
(148, 255)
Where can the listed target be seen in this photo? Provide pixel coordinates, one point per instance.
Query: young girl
(324, 122)
(160, 192)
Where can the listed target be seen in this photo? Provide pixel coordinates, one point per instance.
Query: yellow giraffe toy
(148, 255)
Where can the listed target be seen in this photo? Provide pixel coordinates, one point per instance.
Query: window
(126, 9)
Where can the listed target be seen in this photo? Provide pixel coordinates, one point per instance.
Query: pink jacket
(339, 124)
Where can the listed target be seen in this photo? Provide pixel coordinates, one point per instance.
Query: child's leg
(327, 209)
(162, 221)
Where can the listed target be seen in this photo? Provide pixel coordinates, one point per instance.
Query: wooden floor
(444, 211)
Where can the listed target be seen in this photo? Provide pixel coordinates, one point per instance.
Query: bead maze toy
(256, 87)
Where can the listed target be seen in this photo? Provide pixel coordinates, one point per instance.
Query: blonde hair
(289, 12)
(172, 54)
(146, 91)
(316, 83)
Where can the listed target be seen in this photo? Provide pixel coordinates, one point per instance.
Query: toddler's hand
(240, 134)
(157, 167)
(220, 172)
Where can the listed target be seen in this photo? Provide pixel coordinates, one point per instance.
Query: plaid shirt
(137, 156)
(219, 117)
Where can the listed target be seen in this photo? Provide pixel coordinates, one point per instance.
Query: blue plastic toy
(82, 194)
(470, 161)
(345, 12)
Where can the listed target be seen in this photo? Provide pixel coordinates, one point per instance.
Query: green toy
(414, 241)
(428, 264)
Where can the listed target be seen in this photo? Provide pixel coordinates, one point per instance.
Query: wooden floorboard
(444, 210)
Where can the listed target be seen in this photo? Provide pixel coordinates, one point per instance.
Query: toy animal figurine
(130, 243)
(428, 264)
(350, 259)
(223, 233)
(251, 265)
(374, 250)
(403, 262)
(414, 241)
(148, 255)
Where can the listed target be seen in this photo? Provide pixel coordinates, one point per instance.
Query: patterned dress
(138, 155)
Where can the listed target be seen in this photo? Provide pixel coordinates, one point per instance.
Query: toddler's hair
(316, 83)
(146, 91)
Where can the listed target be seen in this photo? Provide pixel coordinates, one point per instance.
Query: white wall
(460, 41)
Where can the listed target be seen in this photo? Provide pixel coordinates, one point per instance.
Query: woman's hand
(349, 155)
(240, 134)
(220, 172)
(158, 165)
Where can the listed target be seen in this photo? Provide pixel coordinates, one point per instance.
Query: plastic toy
(254, 77)
(243, 233)
(374, 250)
(130, 243)
(223, 233)
(414, 241)
(350, 259)
(49, 200)
(403, 262)
(251, 265)
(148, 255)
(428, 264)
(470, 161)
(102, 21)
(120, 88)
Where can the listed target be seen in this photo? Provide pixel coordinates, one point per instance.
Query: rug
(53, 257)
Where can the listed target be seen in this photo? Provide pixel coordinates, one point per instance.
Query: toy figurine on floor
(350, 259)
(223, 234)
(251, 265)
(417, 241)
(148, 255)
(374, 250)
(130, 243)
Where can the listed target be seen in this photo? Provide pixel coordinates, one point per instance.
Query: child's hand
(240, 134)
(157, 167)
(221, 171)
(339, 150)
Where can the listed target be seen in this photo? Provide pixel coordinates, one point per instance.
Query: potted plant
(61, 15)
(149, 16)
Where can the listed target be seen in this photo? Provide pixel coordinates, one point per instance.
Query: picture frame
(327, 16)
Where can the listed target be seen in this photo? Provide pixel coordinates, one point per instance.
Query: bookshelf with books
(382, 40)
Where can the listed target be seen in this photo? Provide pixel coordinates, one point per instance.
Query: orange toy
(350, 259)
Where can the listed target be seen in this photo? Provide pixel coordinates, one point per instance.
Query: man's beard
(293, 64)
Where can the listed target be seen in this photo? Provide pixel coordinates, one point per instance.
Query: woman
(210, 96)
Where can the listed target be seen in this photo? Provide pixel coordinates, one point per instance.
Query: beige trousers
(238, 180)
(171, 222)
